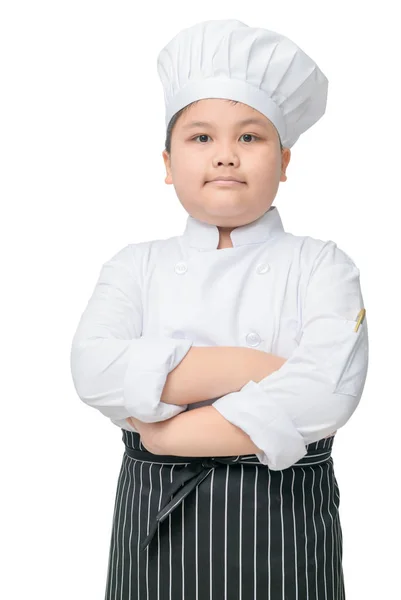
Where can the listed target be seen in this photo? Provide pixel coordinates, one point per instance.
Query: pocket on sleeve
(347, 365)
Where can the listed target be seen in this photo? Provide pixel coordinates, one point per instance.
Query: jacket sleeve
(114, 368)
(319, 387)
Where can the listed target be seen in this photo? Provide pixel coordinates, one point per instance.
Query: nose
(226, 156)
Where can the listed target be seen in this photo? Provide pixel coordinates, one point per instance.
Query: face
(224, 147)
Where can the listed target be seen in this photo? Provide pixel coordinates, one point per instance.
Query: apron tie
(196, 470)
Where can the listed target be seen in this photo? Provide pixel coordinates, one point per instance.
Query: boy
(261, 332)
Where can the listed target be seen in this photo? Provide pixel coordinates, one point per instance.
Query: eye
(205, 135)
(251, 135)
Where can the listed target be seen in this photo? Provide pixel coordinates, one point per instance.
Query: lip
(226, 182)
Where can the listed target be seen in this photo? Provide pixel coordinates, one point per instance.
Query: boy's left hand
(147, 431)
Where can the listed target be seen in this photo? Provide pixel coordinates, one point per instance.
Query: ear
(285, 159)
(167, 163)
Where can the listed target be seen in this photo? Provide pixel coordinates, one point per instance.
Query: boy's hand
(147, 431)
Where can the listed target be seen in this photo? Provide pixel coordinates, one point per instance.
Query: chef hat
(255, 66)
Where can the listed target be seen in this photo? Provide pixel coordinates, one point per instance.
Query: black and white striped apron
(227, 528)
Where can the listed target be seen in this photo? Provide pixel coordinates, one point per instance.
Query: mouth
(227, 182)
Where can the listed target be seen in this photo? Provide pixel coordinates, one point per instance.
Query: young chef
(262, 332)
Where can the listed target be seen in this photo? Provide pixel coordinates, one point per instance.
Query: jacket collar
(205, 236)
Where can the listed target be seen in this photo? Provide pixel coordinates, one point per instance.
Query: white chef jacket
(295, 296)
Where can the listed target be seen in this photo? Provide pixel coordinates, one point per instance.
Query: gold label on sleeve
(360, 318)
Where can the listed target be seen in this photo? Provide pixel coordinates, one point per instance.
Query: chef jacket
(294, 296)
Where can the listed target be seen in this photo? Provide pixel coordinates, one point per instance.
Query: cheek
(270, 171)
(191, 171)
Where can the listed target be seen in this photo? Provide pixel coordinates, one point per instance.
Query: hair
(177, 115)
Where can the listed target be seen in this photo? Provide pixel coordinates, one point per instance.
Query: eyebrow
(251, 121)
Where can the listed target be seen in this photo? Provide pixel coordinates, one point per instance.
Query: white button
(262, 268)
(180, 268)
(253, 339)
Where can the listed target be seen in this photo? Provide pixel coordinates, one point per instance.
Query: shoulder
(139, 256)
(312, 252)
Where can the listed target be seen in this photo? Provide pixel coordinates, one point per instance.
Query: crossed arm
(200, 432)
(204, 373)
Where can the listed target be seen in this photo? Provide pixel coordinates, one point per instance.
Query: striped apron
(225, 528)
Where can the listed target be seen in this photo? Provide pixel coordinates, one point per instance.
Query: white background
(82, 175)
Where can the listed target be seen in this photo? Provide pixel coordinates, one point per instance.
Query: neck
(224, 237)
(225, 240)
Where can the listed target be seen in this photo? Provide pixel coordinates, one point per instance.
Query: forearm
(201, 432)
(211, 372)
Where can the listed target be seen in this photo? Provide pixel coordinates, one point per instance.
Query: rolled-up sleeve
(114, 368)
(319, 387)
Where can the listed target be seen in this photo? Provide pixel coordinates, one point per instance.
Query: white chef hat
(255, 66)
